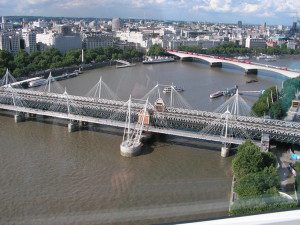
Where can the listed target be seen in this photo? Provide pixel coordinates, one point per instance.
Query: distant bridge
(249, 67)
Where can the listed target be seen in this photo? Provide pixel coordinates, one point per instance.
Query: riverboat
(151, 60)
(216, 94)
(271, 58)
(37, 83)
(242, 57)
(169, 89)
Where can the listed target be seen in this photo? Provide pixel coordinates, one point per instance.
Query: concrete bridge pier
(251, 71)
(30, 115)
(265, 142)
(187, 59)
(73, 126)
(216, 65)
(225, 151)
(19, 117)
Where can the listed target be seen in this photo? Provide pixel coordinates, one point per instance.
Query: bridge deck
(180, 122)
(245, 65)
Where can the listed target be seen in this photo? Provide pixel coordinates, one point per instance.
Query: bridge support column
(187, 59)
(251, 71)
(265, 142)
(225, 151)
(216, 65)
(73, 126)
(19, 117)
(30, 115)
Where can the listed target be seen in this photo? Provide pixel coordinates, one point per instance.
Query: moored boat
(37, 83)
(169, 89)
(151, 60)
(216, 94)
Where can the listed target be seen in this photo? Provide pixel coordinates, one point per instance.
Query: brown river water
(50, 176)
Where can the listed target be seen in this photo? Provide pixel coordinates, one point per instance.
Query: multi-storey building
(30, 40)
(255, 43)
(14, 43)
(4, 41)
(97, 40)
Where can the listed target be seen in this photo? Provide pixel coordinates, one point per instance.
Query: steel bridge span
(173, 121)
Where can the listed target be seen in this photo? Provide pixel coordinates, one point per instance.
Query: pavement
(287, 179)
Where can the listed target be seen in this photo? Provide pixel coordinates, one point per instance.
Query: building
(4, 42)
(30, 41)
(97, 40)
(45, 38)
(61, 42)
(116, 24)
(63, 29)
(240, 24)
(66, 43)
(14, 43)
(137, 37)
(291, 44)
(40, 24)
(255, 43)
(4, 25)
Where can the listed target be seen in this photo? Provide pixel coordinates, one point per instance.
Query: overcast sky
(249, 11)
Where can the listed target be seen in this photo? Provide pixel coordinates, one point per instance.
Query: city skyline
(227, 11)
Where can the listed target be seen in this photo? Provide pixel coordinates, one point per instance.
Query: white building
(30, 40)
(255, 43)
(96, 40)
(61, 42)
(46, 38)
(40, 24)
(136, 37)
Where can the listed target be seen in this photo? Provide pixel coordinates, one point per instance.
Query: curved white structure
(129, 149)
(248, 66)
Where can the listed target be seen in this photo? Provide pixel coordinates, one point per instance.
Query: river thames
(50, 176)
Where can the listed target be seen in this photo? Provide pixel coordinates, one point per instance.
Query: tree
(248, 160)
(277, 111)
(6, 61)
(22, 59)
(156, 50)
(258, 184)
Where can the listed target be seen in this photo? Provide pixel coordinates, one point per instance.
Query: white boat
(169, 89)
(261, 56)
(125, 65)
(216, 94)
(159, 59)
(271, 58)
(37, 83)
(242, 57)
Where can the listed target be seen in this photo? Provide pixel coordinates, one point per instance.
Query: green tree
(156, 50)
(258, 184)
(248, 160)
(22, 60)
(276, 111)
(6, 61)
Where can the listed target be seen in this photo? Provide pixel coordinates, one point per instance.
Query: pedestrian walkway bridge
(229, 124)
(248, 66)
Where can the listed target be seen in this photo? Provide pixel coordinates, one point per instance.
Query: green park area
(257, 182)
(22, 64)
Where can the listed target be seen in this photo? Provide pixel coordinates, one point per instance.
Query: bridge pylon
(131, 144)
(226, 148)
